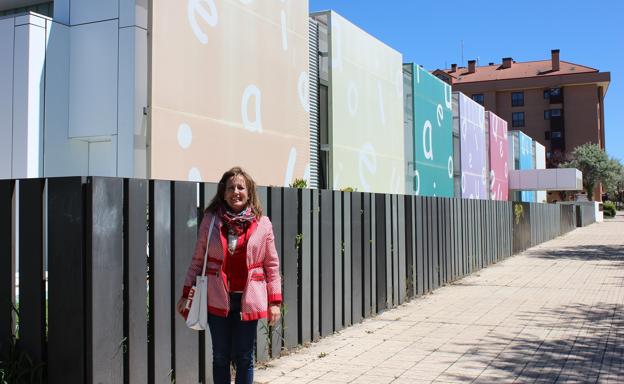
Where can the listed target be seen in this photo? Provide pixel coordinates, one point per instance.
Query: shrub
(299, 183)
(348, 189)
(608, 208)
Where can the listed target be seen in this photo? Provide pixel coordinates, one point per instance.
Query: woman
(244, 283)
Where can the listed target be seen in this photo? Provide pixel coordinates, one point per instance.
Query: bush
(299, 183)
(608, 208)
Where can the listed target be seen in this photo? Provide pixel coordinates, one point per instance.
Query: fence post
(305, 267)
(326, 263)
(135, 273)
(346, 237)
(31, 284)
(290, 262)
(357, 287)
(339, 256)
(105, 338)
(160, 290)
(66, 281)
(7, 270)
(276, 214)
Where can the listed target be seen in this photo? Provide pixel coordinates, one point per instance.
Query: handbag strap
(207, 243)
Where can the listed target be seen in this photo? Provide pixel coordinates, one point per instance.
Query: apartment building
(559, 103)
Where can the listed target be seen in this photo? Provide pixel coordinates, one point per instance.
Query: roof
(526, 69)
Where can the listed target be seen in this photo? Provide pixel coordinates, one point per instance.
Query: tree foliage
(596, 166)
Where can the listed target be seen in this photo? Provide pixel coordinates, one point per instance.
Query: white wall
(132, 97)
(73, 90)
(62, 156)
(89, 11)
(28, 93)
(93, 80)
(540, 163)
(7, 28)
(100, 155)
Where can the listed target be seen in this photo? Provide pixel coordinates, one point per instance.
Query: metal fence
(117, 251)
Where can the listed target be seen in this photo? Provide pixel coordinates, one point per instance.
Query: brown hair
(219, 198)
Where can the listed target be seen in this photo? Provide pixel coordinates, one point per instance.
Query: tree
(615, 188)
(596, 166)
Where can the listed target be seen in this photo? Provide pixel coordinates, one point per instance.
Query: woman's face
(236, 194)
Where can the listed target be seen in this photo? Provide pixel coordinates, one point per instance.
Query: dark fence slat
(430, 240)
(316, 265)
(366, 254)
(7, 269)
(276, 215)
(290, 260)
(305, 267)
(326, 263)
(445, 257)
(388, 245)
(400, 249)
(184, 237)
(409, 246)
(32, 290)
(357, 298)
(395, 250)
(437, 241)
(338, 263)
(66, 279)
(105, 277)
(456, 243)
(420, 243)
(380, 250)
(135, 327)
(373, 247)
(346, 236)
(160, 290)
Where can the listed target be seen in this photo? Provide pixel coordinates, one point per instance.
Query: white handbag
(197, 301)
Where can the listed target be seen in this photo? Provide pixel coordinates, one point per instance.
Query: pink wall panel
(499, 147)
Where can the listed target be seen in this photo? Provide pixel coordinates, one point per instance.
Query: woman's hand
(274, 314)
(181, 306)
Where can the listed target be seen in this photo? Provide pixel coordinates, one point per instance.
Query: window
(549, 113)
(517, 119)
(478, 97)
(547, 135)
(517, 99)
(547, 94)
(555, 135)
(45, 9)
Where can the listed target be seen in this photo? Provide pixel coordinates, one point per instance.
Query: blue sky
(430, 33)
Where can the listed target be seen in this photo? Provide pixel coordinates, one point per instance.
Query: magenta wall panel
(499, 148)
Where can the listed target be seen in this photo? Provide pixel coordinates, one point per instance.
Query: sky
(430, 33)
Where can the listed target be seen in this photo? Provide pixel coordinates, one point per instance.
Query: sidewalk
(554, 313)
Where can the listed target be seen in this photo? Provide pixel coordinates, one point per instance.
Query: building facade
(157, 89)
(560, 104)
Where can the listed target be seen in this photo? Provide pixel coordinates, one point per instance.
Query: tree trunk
(589, 189)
